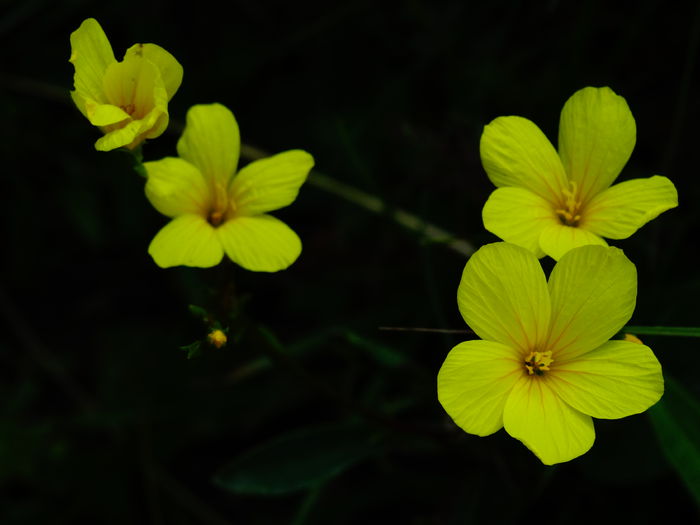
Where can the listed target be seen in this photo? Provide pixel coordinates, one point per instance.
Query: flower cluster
(545, 364)
(214, 208)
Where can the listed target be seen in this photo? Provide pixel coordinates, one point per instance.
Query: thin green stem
(428, 231)
(674, 331)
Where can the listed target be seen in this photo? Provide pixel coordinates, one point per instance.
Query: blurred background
(311, 414)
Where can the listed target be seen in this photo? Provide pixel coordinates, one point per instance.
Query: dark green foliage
(103, 419)
(302, 459)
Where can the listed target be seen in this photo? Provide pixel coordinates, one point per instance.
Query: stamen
(222, 208)
(215, 218)
(569, 212)
(538, 362)
(128, 108)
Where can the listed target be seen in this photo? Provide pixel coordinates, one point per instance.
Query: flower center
(215, 217)
(537, 362)
(128, 108)
(222, 208)
(570, 211)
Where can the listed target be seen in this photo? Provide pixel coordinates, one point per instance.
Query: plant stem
(428, 231)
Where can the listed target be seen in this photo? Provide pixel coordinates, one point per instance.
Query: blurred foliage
(105, 420)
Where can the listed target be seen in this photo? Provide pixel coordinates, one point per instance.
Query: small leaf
(678, 331)
(199, 312)
(193, 350)
(298, 460)
(676, 421)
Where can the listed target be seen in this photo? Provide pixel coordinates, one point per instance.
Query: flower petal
(593, 293)
(474, 383)
(135, 86)
(515, 152)
(211, 142)
(188, 240)
(91, 54)
(131, 135)
(517, 215)
(260, 244)
(169, 68)
(619, 211)
(615, 380)
(596, 138)
(503, 296)
(271, 183)
(557, 239)
(176, 187)
(105, 114)
(551, 429)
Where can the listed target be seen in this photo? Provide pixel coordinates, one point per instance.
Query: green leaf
(198, 312)
(193, 349)
(298, 460)
(678, 331)
(676, 421)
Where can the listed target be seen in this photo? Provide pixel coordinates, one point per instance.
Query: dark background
(103, 417)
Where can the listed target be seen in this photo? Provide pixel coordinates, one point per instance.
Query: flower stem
(428, 231)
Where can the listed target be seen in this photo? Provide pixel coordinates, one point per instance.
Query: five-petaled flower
(550, 203)
(216, 209)
(544, 364)
(127, 100)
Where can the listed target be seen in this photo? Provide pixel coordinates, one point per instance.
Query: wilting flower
(544, 364)
(216, 209)
(127, 100)
(549, 202)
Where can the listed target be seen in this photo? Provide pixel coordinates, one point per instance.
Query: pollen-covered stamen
(538, 362)
(128, 108)
(569, 213)
(222, 207)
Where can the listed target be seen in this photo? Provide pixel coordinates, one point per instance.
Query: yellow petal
(596, 138)
(271, 183)
(474, 383)
(557, 239)
(131, 134)
(176, 187)
(105, 114)
(550, 428)
(615, 380)
(211, 142)
(515, 152)
(260, 244)
(188, 240)
(593, 291)
(91, 54)
(517, 215)
(135, 86)
(503, 296)
(619, 211)
(169, 68)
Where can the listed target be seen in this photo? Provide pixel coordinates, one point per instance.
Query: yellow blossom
(217, 338)
(216, 209)
(550, 203)
(127, 100)
(544, 364)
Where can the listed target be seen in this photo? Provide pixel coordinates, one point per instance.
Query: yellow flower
(549, 202)
(217, 338)
(127, 100)
(544, 364)
(216, 210)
